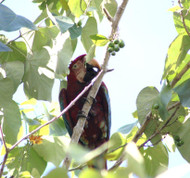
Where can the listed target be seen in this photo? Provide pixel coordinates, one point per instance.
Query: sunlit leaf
(97, 5)
(178, 22)
(183, 91)
(91, 53)
(92, 173)
(135, 160)
(117, 140)
(25, 159)
(64, 56)
(43, 37)
(184, 133)
(52, 149)
(176, 54)
(89, 29)
(99, 40)
(9, 21)
(31, 101)
(111, 6)
(77, 7)
(174, 9)
(37, 85)
(156, 159)
(57, 172)
(18, 53)
(145, 101)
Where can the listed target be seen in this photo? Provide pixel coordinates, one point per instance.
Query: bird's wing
(66, 116)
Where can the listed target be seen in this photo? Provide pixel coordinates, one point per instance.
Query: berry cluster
(178, 140)
(114, 46)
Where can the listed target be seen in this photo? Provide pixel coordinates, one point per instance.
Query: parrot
(98, 123)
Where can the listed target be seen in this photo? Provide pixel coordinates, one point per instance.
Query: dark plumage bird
(98, 123)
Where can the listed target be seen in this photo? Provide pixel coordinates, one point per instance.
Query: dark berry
(121, 43)
(116, 41)
(116, 48)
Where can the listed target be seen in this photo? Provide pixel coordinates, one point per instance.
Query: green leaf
(92, 173)
(18, 53)
(127, 128)
(37, 85)
(156, 159)
(4, 48)
(91, 53)
(14, 71)
(9, 21)
(43, 37)
(178, 22)
(64, 23)
(116, 140)
(89, 29)
(186, 4)
(65, 55)
(6, 90)
(52, 149)
(75, 31)
(57, 172)
(111, 7)
(77, 152)
(25, 159)
(174, 9)
(176, 55)
(12, 120)
(162, 100)
(57, 128)
(77, 7)
(176, 121)
(97, 5)
(184, 134)
(145, 101)
(135, 160)
(183, 92)
(99, 40)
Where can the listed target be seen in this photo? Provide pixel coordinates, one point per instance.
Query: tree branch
(6, 151)
(159, 130)
(142, 129)
(78, 129)
(178, 76)
(61, 113)
(183, 19)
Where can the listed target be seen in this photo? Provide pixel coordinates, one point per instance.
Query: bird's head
(83, 71)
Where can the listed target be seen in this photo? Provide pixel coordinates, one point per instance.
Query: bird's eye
(74, 66)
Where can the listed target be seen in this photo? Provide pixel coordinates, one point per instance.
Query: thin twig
(2, 1)
(78, 129)
(135, 139)
(6, 151)
(142, 129)
(159, 130)
(107, 15)
(61, 113)
(183, 19)
(178, 76)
